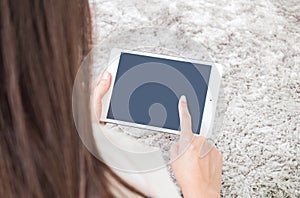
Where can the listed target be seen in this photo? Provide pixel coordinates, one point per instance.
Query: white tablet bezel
(210, 101)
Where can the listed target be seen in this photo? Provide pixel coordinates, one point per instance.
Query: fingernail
(105, 76)
(182, 98)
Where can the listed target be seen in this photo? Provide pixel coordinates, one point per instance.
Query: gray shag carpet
(258, 44)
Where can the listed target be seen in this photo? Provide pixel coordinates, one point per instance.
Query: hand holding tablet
(100, 89)
(146, 89)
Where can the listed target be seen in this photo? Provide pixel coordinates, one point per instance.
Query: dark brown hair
(42, 44)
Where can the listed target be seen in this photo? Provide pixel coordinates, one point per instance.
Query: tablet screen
(147, 89)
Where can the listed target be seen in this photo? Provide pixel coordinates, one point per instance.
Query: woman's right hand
(197, 165)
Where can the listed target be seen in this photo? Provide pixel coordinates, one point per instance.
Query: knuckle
(201, 138)
(186, 115)
(193, 147)
(196, 144)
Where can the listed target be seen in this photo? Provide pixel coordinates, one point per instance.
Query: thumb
(101, 88)
(103, 84)
(186, 134)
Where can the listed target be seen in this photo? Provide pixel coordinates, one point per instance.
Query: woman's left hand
(100, 90)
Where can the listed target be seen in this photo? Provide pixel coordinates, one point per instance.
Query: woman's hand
(100, 89)
(197, 165)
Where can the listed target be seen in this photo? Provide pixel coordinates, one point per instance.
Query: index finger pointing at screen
(186, 134)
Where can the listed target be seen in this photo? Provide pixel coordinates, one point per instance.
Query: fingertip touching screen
(147, 89)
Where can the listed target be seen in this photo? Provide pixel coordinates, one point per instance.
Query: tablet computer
(146, 89)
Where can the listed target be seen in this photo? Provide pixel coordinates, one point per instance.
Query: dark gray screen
(147, 89)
